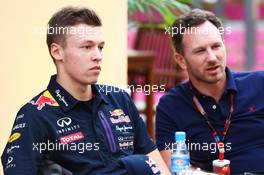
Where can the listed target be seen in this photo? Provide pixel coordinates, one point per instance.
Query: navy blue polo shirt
(244, 142)
(84, 137)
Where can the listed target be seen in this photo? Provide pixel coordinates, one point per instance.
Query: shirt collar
(230, 85)
(98, 93)
(65, 100)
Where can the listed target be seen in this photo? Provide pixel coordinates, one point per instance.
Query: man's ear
(179, 59)
(56, 51)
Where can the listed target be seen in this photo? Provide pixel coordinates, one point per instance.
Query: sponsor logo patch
(20, 116)
(123, 128)
(117, 112)
(10, 150)
(65, 121)
(61, 98)
(120, 119)
(45, 99)
(14, 137)
(19, 126)
(9, 163)
(66, 125)
(125, 144)
(125, 138)
(71, 138)
(153, 167)
(118, 116)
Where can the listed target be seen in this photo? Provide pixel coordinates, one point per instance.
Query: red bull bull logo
(45, 99)
(117, 112)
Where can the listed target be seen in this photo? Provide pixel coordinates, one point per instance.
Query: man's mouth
(96, 68)
(212, 68)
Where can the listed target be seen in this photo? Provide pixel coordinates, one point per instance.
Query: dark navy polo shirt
(84, 137)
(245, 139)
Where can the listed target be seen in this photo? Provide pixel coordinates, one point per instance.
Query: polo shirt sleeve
(20, 156)
(142, 142)
(165, 127)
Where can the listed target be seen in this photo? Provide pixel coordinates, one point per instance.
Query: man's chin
(93, 81)
(89, 82)
(214, 77)
(213, 80)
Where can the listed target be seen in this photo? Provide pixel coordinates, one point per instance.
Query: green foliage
(166, 9)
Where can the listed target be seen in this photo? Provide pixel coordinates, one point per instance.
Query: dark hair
(191, 19)
(66, 17)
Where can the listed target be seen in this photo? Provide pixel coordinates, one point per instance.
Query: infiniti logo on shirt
(65, 121)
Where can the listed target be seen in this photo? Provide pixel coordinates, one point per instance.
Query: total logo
(71, 138)
(65, 125)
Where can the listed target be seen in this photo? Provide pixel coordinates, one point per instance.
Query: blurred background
(148, 43)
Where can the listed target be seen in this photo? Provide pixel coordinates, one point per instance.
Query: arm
(143, 144)
(19, 155)
(155, 155)
(166, 155)
(165, 128)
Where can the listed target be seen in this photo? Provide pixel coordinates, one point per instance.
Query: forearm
(155, 155)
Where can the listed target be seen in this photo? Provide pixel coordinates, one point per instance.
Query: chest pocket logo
(116, 112)
(118, 116)
(65, 121)
(123, 130)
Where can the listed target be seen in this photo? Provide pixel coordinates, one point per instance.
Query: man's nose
(97, 55)
(211, 56)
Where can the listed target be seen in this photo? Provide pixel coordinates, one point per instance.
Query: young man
(75, 126)
(217, 108)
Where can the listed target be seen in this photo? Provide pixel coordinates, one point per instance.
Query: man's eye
(87, 47)
(199, 51)
(100, 48)
(216, 46)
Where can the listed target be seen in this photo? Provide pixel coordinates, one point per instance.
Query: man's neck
(77, 90)
(214, 90)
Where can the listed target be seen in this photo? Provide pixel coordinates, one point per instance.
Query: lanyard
(219, 142)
